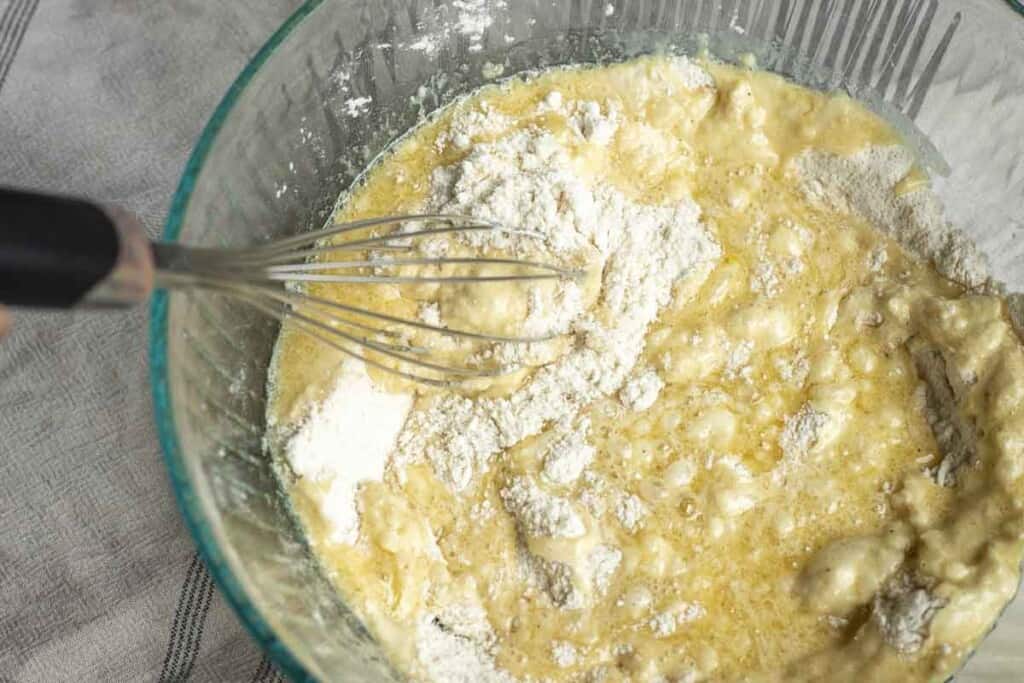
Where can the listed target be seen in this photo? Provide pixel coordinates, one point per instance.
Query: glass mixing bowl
(342, 79)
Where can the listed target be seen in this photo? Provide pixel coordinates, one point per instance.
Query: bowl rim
(184, 492)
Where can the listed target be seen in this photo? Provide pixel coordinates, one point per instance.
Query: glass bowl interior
(342, 79)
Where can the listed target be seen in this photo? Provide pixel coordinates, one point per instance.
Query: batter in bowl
(775, 435)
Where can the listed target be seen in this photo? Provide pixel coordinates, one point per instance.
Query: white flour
(454, 649)
(739, 355)
(765, 280)
(630, 512)
(430, 314)
(666, 623)
(572, 587)
(592, 493)
(538, 513)
(680, 473)
(641, 391)
(586, 119)
(663, 625)
(801, 432)
(568, 455)
(468, 18)
(472, 123)
(553, 315)
(594, 126)
(794, 369)
(903, 612)
(347, 440)
(525, 181)
(863, 183)
(603, 561)
(563, 654)
(955, 435)
(357, 106)
(528, 179)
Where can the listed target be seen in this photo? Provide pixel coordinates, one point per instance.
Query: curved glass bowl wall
(342, 78)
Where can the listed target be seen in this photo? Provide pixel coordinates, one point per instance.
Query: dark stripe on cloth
(13, 25)
(266, 672)
(195, 632)
(189, 618)
(9, 19)
(184, 597)
(261, 670)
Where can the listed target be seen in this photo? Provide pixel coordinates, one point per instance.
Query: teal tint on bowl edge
(163, 412)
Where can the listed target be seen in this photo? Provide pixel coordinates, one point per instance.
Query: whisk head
(276, 278)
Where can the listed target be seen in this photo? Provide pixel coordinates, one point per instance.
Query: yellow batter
(827, 486)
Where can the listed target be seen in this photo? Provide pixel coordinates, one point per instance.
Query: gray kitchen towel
(99, 579)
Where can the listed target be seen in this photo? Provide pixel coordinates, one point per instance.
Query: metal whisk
(60, 252)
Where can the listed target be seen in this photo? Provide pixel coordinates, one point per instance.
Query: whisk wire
(294, 301)
(288, 243)
(301, 298)
(406, 279)
(282, 316)
(442, 261)
(272, 278)
(377, 241)
(321, 329)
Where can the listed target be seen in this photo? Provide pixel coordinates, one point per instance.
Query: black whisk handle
(60, 252)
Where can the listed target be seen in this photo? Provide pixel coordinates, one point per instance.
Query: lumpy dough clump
(776, 432)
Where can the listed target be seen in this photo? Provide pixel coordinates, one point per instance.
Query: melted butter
(793, 315)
